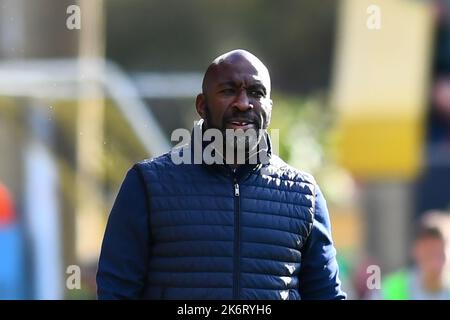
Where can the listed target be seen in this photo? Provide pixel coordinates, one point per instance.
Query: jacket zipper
(237, 240)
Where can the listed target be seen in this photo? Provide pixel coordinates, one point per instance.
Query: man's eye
(256, 93)
(228, 91)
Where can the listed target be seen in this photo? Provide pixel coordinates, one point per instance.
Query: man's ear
(200, 105)
(269, 112)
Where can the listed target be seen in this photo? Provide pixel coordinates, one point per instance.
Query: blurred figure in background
(438, 134)
(427, 279)
(360, 277)
(440, 130)
(433, 184)
(11, 250)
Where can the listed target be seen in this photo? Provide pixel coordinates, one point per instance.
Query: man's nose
(242, 103)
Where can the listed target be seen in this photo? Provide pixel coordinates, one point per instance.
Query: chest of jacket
(225, 237)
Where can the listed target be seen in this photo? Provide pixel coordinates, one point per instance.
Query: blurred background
(361, 93)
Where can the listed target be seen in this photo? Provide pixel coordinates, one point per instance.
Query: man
(224, 230)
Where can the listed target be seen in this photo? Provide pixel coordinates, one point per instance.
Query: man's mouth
(240, 124)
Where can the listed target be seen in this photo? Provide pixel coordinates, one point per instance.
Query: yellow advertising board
(380, 85)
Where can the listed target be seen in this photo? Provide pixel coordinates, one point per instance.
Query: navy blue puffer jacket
(206, 232)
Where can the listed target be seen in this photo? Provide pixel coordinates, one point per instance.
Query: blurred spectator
(360, 276)
(439, 115)
(439, 132)
(11, 250)
(434, 182)
(427, 278)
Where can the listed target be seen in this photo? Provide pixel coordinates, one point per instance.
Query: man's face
(237, 96)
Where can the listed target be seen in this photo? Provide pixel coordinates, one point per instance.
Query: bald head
(238, 59)
(236, 89)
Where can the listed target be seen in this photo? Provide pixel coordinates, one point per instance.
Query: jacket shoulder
(287, 172)
(161, 161)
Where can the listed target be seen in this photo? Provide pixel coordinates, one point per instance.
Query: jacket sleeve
(125, 249)
(319, 273)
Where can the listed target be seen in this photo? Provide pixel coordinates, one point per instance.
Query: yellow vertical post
(90, 115)
(380, 86)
